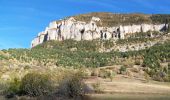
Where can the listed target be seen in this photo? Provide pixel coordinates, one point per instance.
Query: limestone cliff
(70, 28)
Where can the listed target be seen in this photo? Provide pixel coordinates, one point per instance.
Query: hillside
(98, 60)
(151, 53)
(137, 62)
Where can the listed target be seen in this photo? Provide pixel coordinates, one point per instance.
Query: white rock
(95, 19)
(5, 77)
(78, 30)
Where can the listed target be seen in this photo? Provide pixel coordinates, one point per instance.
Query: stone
(78, 30)
(5, 77)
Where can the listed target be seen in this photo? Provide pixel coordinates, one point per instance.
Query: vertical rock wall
(78, 30)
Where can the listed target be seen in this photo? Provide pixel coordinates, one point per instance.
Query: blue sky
(21, 20)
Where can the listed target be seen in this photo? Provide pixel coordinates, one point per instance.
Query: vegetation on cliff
(77, 54)
(111, 19)
(59, 67)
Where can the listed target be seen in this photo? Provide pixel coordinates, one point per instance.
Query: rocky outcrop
(79, 30)
(137, 45)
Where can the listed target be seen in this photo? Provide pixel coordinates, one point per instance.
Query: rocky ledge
(70, 28)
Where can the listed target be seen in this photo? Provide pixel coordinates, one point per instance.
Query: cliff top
(114, 19)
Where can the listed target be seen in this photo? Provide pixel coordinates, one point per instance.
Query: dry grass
(110, 19)
(123, 84)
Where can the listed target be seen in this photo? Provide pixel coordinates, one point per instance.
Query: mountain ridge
(101, 26)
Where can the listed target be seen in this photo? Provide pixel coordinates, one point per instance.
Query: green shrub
(169, 71)
(160, 76)
(95, 72)
(168, 66)
(104, 73)
(122, 69)
(35, 84)
(4, 87)
(146, 76)
(137, 62)
(72, 86)
(97, 87)
(14, 86)
(154, 57)
(112, 75)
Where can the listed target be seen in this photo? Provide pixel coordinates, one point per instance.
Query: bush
(169, 71)
(14, 86)
(35, 84)
(94, 72)
(112, 75)
(122, 69)
(168, 66)
(146, 76)
(72, 86)
(160, 76)
(137, 62)
(104, 73)
(97, 87)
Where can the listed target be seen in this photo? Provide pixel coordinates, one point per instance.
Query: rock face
(79, 30)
